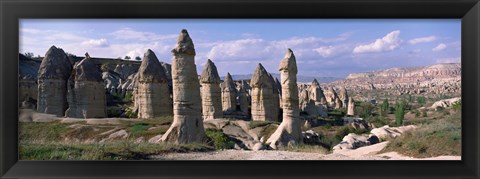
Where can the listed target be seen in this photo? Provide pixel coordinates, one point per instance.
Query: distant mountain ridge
(443, 78)
(437, 70)
(300, 78)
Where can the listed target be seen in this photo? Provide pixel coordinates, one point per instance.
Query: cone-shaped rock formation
(262, 95)
(86, 91)
(53, 76)
(152, 96)
(228, 95)
(211, 93)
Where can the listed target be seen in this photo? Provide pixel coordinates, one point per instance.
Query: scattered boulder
(391, 132)
(259, 146)
(445, 103)
(311, 137)
(352, 141)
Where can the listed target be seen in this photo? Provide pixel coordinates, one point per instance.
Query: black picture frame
(466, 10)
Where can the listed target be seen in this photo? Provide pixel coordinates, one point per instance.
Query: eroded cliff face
(433, 79)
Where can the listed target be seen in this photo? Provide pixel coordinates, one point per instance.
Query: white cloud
(131, 34)
(389, 42)
(239, 49)
(422, 40)
(325, 51)
(439, 47)
(96, 42)
(330, 51)
(449, 60)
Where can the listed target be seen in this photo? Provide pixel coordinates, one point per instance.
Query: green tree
(138, 58)
(400, 112)
(385, 107)
(364, 110)
(127, 58)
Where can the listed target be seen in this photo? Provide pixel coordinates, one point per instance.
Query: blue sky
(323, 47)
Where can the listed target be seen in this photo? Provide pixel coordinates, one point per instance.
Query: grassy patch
(110, 151)
(220, 140)
(440, 137)
(38, 132)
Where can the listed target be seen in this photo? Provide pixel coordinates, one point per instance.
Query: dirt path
(363, 153)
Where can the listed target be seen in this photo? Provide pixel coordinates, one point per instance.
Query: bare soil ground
(363, 153)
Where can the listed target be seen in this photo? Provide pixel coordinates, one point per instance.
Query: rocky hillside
(434, 79)
(300, 78)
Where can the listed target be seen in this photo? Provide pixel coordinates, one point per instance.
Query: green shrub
(421, 100)
(417, 113)
(128, 96)
(424, 113)
(138, 128)
(220, 140)
(457, 106)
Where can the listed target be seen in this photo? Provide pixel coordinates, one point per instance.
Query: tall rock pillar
(289, 130)
(187, 125)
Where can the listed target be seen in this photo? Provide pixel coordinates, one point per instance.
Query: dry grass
(438, 137)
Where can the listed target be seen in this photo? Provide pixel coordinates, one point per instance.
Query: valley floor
(363, 153)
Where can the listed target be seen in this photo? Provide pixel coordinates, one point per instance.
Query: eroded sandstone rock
(262, 95)
(211, 92)
(187, 125)
(151, 94)
(351, 107)
(86, 91)
(289, 131)
(228, 95)
(53, 76)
